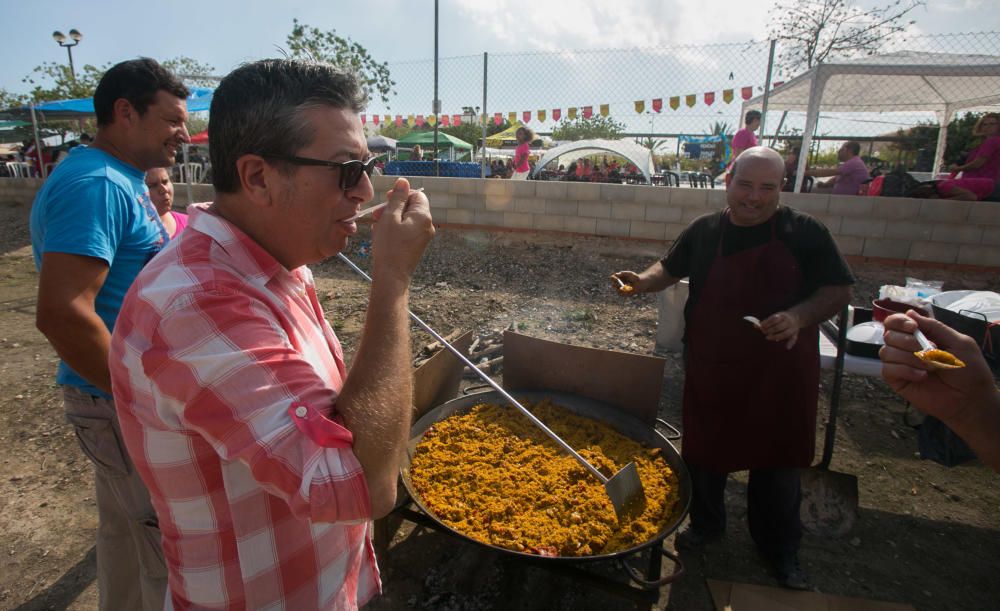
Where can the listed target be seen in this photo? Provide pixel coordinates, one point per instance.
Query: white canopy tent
(943, 83)
(639, 155)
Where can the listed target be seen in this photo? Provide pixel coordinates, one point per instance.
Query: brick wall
(881, 228)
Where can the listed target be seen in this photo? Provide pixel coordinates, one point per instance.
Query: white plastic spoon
(377, 207)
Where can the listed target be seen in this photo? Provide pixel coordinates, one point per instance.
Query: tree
(53, 81)
(306, 42)
(586, 129)
(650, 142)
(813, 30)
(720, 128)
(193, 72)
(391, 130)
(11, 100)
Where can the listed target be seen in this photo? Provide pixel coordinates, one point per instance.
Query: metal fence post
(767, 88)
(482, 149)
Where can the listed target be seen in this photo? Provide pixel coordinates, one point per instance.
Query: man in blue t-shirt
(93, 228)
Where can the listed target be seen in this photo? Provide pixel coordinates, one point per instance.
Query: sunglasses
(350, 171)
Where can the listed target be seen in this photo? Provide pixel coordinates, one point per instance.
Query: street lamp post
(60, 38)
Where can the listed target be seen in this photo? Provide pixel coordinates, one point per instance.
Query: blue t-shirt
(98, 206)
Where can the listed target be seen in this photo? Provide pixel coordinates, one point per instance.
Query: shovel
(830, 499)
(624, 488)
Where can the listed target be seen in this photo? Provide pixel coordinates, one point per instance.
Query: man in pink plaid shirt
(265, 460)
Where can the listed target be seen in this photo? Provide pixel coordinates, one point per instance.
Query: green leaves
(586, 129)
(307, 42)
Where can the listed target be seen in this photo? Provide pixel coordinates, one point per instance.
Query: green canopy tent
(426, 141)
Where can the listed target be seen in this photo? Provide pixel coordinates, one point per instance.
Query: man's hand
(401, 232)
(632, 279)
(653, 279)
(781, 327)
(943, 394)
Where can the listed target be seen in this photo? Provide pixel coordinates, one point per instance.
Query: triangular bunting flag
(445, 120)
(640, 106)
(709, 97)
(777, 84)
(727, 96)
(746, 93)
(410, 120)
(497, 118)
(512, 117)
(456, 119)
(588, 111)
(605, 109)
(690, 100)
(364, 119)
(541, 116)
(387, 119)
(431, 120)
(420, 120)
(556, 114)
(658, 104)
(375, 119)
(399, 120)
(675, 102)
(572, 114)
(526, 115)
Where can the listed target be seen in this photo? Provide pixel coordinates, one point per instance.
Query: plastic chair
(19, 169)
(191, 172)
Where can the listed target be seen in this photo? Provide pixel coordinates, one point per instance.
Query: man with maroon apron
(750, 392)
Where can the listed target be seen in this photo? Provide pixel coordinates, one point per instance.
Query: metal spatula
(624, 488)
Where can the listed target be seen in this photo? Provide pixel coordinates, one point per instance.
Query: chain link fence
(659, 96)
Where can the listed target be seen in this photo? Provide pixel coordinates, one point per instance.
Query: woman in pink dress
(161, 192)
(524, 137)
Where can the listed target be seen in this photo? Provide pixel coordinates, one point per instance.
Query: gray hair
(259, 108)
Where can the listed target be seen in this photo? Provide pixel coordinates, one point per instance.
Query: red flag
(445, 120)
(399, 120)
(709, 97)
(777, 84)
(456, 119)
(588, 111)
(746, 93)
(420, 120)
(375, 119)
(556, 114)
(526, 115)
(658, 104)
(497, 118)
(363, 119)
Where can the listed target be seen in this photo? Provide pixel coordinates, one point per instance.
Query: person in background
(984, 160)
(525, 136)
(791, 167)
(93, 228)
(265, 458)
(966, 400)
(161, 191)
(417, 154)
(750, 391)
(745, 138)
(849, 175)
(959, 189)
(85, 139)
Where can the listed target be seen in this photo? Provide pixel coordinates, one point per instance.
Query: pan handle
(675, 433)
(644, 583)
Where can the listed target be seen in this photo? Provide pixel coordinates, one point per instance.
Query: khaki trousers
(131, 573)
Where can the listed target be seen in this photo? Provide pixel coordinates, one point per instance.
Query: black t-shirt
(810, 242)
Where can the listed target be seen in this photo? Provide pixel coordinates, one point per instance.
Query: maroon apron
(749, 403)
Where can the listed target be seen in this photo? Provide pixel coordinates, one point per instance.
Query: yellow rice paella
(493, 476)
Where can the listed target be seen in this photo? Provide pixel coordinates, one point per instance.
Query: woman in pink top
(524, 137)
(984, 160)
(161, 192)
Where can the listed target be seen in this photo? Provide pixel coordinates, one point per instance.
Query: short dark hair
(854, 147)
(752, 115)
(257, 109)
(136, 80)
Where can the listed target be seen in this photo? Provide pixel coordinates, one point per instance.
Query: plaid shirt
(225, 377)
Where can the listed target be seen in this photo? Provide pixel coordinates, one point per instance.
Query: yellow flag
(541, 116)
(431, 120)
(387, 119)
(410, 120)
(640, 106)
(675, 102)
(690, 100)
(727, 96)
(572, 114)
(512, 117)
(605, 110)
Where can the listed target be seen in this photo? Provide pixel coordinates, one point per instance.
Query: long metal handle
(489, 381)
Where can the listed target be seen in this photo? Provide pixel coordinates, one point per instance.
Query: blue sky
(226, 33)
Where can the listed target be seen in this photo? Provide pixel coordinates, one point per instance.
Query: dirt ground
(927, 535)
